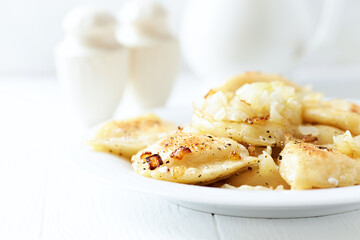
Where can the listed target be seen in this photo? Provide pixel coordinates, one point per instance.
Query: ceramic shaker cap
(90, 23)
(147, 17)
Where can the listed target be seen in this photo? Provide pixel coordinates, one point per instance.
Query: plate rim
(212, 195)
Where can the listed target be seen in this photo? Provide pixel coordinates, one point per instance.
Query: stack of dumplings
(256, 132)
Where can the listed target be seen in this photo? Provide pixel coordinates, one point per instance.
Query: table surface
(45, 196)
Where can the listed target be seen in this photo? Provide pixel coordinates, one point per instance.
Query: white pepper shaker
(154, 52)
(91, 65)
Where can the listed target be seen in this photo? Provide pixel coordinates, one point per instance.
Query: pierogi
(306, 166)
(191, 158)
(127, 137)
(255, 132)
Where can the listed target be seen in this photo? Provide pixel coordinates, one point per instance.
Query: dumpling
(127, 137)
(265, 174)
(191, 158)
(336, 113)
(259, 132)
(306, 166)
(257, 110)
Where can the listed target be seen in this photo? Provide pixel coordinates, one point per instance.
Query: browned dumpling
(259, 132)
(262, 110)
(127, 137)
(252, 108)
(338, 113)
(193, 159)
(306, 166)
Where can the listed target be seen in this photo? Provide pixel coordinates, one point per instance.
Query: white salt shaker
(154, 52)
(91, 64)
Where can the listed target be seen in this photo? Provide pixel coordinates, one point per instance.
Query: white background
(31, 29)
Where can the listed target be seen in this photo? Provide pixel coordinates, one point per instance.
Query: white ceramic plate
(261, 204)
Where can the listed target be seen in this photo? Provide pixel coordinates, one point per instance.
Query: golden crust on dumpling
(191, 158)
(127, 137)
(259, 132)
(306, 166)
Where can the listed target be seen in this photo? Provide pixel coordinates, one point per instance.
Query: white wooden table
(45, 196)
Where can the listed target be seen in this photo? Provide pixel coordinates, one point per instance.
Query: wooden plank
(23, 169)
(81, 207)
(340, 226)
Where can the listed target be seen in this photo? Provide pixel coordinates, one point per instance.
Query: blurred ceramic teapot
(220, 38)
